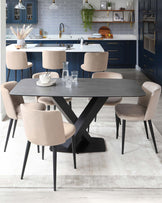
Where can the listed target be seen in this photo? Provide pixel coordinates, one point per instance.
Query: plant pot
(109, 8)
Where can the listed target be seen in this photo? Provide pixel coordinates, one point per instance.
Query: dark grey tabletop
(86, 87)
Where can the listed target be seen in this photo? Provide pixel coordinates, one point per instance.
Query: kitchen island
(75, 55)
(121, 48)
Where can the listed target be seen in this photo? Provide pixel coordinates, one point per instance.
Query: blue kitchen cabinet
(31, 12)
(122, 54)
(28, 15)
(150, 61)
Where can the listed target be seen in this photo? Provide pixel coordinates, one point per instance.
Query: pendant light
(53, 5)
(86, 5)
(20, 5)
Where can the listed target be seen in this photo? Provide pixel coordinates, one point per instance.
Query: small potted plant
(109, 6)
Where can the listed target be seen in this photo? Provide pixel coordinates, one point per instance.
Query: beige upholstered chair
(144, 110)
(53, 60)
(17, 60)
(49, 100)
(46, 128)
(12, 106)
(95, 62)
(111, 101)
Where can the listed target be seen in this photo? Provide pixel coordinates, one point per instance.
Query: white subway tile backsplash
(69, 13)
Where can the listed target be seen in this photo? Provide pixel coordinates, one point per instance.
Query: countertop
(75, 48)
(72, 37)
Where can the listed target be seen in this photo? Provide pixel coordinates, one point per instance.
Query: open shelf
(117, 10)
(113, 22)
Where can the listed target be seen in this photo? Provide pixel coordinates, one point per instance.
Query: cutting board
(104, 31)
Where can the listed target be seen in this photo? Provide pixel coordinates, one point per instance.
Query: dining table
(97, 89)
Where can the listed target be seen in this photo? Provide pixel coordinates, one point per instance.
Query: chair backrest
(16, 60)
(43, 127)
(52, 74)
(11, 102)
(95, 62)
(109, 75)
(53, 59)
(151, 99)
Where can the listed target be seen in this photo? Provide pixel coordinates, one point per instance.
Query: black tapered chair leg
(123, 134)
(54, 166)
(60, 73)
(21, 73)
(74, 150)
(8, 75)
(15, 124)
(48, 107)
(95, 119)
(31, 72)
(145, 124)
(117, 126)
(83, 73)
(25, 158)
(38, 149)
(152, 134)
(70, 104)
(42, 152)
(54, 107)
(15, 75)
(88, 128)
(8, 134)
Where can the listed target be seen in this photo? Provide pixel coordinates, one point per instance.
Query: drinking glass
(74, 75)
(68, 81)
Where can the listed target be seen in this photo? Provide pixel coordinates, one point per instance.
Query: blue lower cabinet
(122, 54)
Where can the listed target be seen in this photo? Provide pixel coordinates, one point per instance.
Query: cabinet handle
(112, 43)
(113, 50)
(114, 59)
(151, 59)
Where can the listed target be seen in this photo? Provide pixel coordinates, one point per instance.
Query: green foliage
(87, 16)
(109, 4)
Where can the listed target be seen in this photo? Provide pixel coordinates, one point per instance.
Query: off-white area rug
(139, 167)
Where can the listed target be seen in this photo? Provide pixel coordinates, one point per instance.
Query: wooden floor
(91, 195)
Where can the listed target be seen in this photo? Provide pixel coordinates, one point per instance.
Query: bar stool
(95, 62)
(17, 60)
(53, 60)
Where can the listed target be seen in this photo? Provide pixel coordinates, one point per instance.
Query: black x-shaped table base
(84, 142)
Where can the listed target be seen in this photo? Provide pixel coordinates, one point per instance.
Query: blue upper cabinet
(29, 15)
(31, 12)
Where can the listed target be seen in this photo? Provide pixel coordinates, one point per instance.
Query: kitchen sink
(68, 46)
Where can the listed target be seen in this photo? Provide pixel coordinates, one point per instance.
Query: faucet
(61, 29)
(81, 41)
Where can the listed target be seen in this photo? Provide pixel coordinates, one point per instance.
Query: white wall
(2, 48)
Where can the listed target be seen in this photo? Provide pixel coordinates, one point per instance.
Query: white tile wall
(69, 14)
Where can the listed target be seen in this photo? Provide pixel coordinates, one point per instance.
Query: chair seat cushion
(30, 64)
(36, 106)
(132, 112)
(50, 100)
(113, 101)
(69, 130)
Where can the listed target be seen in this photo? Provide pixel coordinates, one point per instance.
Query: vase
(21, 43)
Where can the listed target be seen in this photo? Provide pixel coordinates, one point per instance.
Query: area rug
(139, 167)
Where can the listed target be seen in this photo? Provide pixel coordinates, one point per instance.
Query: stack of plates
(96, 35)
